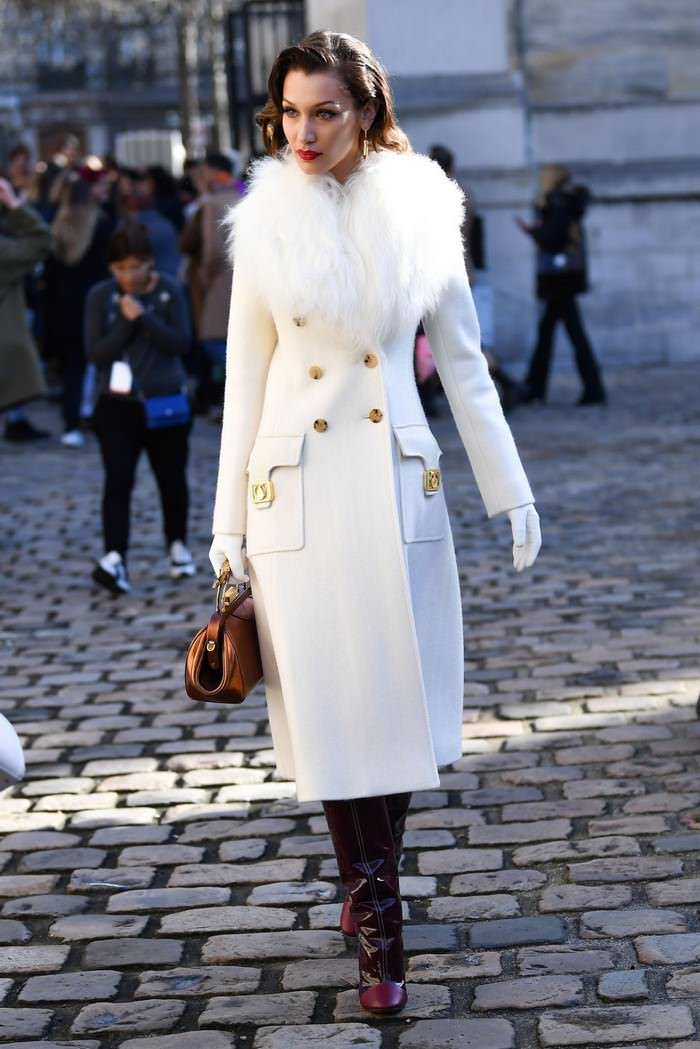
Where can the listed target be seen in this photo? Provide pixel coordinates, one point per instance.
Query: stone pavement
(161, 889)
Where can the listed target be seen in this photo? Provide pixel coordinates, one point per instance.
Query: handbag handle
(224, 608)
(225, 601)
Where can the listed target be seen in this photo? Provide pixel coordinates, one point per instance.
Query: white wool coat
(329, 467)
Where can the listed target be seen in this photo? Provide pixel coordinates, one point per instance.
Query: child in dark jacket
(136, 333)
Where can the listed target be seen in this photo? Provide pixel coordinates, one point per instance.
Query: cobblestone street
(161, 889)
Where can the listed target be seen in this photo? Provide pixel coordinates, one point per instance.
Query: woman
(136, 332)
(344, 241)
(24, 241)
(561, 276)
(80, 234)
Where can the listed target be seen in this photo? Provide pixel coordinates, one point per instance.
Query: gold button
(376, 415)
(299, 321)
(315, 372)
(320, 425)
(371, 360)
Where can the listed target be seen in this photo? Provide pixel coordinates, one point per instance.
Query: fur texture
(369, 256)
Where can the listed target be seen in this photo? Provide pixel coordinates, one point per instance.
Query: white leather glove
(527, 538)
(228, 547)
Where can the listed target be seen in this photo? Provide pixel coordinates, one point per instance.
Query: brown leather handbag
(223, 661)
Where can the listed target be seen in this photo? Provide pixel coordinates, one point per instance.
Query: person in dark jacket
(562, 274)
(136, 332)
(80, 235)
(158, 218)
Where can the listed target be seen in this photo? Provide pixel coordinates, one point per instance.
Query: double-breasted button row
(376, 415)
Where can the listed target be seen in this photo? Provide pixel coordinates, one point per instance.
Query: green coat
(24, 240)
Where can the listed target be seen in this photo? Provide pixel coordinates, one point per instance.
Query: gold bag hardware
(431, 480)
(263, 491)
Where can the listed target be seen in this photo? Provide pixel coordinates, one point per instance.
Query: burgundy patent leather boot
(364, 846)
(397, 806)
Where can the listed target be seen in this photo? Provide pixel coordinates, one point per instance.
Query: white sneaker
(181, 563)
(110, 572)
(73, 439)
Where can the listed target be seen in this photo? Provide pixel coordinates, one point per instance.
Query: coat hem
(394, 788)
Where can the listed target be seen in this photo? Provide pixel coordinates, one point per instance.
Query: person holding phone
(136, 333)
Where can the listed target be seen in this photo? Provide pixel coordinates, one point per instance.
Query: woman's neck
(344, 169)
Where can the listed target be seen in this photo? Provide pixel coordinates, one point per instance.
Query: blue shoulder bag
(171, 410)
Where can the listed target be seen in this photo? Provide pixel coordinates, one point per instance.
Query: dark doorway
(256, 33)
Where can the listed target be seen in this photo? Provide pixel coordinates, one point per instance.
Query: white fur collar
(370, 256)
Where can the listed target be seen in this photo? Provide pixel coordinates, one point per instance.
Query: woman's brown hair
(359, 70)
(76, 217)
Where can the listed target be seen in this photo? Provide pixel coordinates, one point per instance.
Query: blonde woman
(344, 241)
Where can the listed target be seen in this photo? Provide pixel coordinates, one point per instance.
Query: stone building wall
(611, 87)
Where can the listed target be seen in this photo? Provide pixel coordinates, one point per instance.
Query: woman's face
(322, 124)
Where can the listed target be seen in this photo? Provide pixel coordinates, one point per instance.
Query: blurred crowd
(82, 200)
(114, 296)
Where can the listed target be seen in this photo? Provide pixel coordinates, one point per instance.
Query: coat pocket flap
(419, 440)
(274, 450)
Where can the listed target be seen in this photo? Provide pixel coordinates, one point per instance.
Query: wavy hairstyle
(359, 70)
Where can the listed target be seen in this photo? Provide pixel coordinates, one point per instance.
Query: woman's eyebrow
(328, 101)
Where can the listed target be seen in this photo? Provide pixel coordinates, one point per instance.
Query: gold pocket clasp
(263, 492)
(431, 481)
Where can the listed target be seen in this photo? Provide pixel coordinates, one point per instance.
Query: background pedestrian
(136, 332)
(146, 208)
(24, 241)
(80, 235)
(562, 274)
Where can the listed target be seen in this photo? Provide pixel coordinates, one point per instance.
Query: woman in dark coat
(78, 260)
(561, 276)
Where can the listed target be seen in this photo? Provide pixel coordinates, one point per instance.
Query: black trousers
(121, 430)
(73, 373)
(565, 310)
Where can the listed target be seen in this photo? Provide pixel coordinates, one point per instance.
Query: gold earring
(365, 145)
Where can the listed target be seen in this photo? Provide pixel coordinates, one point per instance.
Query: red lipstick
(308, 154)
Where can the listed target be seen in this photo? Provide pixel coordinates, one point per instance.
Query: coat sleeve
(250, 344)
(453, 332)
(29, 244)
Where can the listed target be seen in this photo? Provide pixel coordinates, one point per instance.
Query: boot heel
(347, 925)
